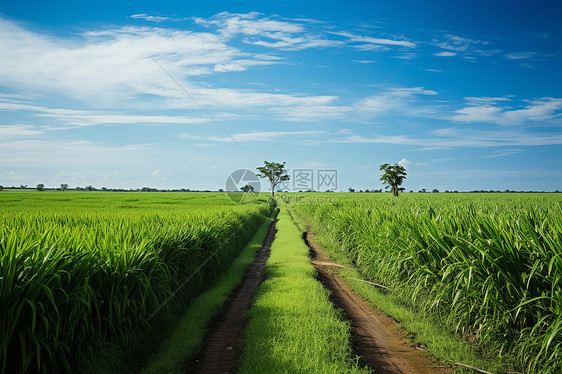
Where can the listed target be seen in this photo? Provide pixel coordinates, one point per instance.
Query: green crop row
(489, 265)
(81, 266)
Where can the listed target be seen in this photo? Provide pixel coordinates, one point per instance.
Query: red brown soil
(376, 337)
(221, 349)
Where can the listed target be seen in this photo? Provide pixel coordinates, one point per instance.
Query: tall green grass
(490, 265)
(81, 266)
(187, 338)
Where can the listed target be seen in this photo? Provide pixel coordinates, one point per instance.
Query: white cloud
(267, 32)
(404, 162)
(69, 117)
(504, 152)
(229, 67)
(409, 91)
(18, 131)
(404, 100)
(149, 18)
(70, 154)
(520, 55)
(457, 43)
(453, 45)
(445, 54)
(485, 110)
(249, 24)
(369, 42)
(525, 65)
(485, 100)
(457, 138)
(114, 66)
(161, 175)
(263, 136)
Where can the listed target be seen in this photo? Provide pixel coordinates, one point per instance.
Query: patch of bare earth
(376, 337)
(221, 349)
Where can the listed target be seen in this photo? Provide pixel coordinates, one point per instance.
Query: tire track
(221, 349)
(377, 338)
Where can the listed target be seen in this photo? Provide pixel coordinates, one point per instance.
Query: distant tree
(89, 188)
(63, 186)
(411, 191)
(367, 190)
(221, 190)
(393, 177)
(351, 189)
(23, 186)
(40, 187)
(435, 190)
(247, 188)
(1, 188)
(275, 172)
(423, 190)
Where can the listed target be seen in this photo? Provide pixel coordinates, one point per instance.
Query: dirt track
(221, 348)
(376, 337)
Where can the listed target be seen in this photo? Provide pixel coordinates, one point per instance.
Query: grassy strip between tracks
(440, 341)
(293, 326)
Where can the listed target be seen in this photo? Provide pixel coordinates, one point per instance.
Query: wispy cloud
(8, 132)
(74, 154)
(457, 43)
(445, 54)
(267, 32)
(448, 138)
(504, 152)
(146, 17)
(485, 109)
(80, 118)
(369, 42)
(263, 136)
(520, 55)
(467, 48)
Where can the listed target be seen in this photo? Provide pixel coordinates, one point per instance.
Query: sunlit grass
(488, 265)
(81, 266)
(187, 337)
(293, 326)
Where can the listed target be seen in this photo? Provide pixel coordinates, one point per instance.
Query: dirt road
(221, 345)
(376, 337)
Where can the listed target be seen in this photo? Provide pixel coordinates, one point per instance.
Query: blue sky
(466, 95)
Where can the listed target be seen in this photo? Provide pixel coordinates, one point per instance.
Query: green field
(488, 265)
(84, 270)
(76, 268)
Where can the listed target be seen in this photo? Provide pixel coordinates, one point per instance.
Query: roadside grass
(187, 337)
(176, 339)
(293, 326)
(422, 329)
